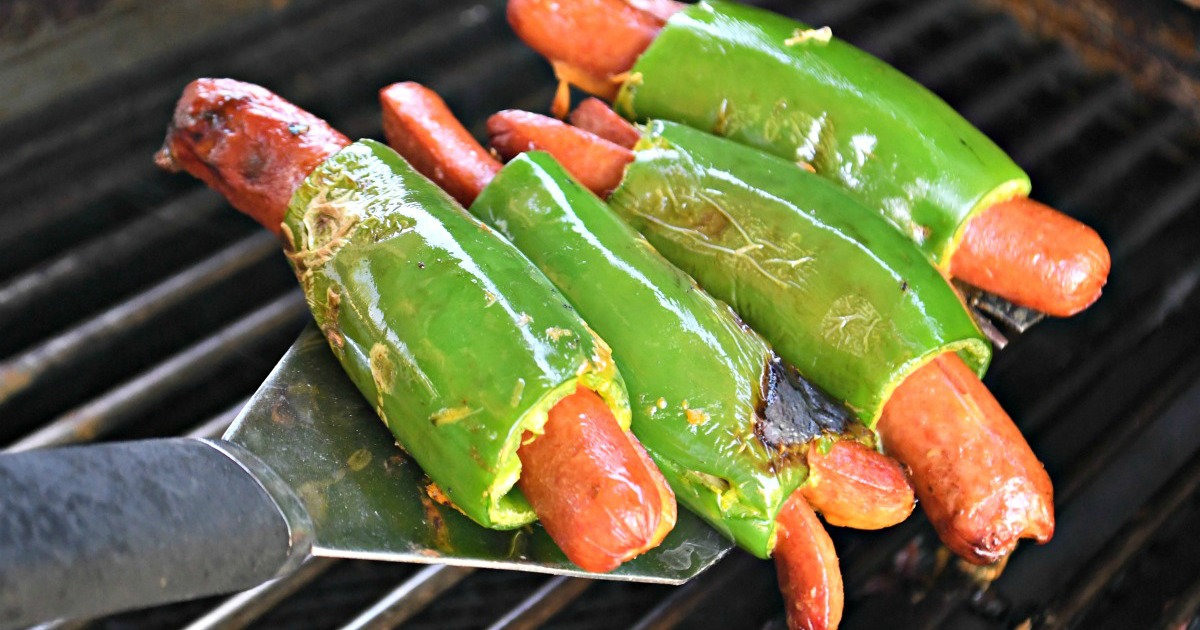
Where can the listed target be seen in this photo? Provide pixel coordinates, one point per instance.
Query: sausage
(248, 144)
(591, 488)
(420, 127)
(595, 116)
(589, 42)
(597, 163)
(807, 564)
(975, 475)
(256, 149)
(1033, 255)
(855, 486)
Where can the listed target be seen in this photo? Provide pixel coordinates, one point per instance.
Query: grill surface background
(134, 304)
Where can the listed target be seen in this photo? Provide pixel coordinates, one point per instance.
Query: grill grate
(136, 304)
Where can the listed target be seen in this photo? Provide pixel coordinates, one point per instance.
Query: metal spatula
(306, 469)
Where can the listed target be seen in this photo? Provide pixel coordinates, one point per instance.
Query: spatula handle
(97, 529)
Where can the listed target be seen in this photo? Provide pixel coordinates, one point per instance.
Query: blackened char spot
(794, 411)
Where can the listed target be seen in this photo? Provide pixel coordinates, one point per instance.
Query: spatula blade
(367, 498)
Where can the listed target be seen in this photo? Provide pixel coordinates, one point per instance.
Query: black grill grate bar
(1102, 454)
(949, 596)
(150, 94)
(1055, 132)
(995, 101)
(105, 254)
(118, 406)
(1180, 197)
(242, 609)
(1143, 315)
(63, 624)
(885, 37)
(462, 84)
(822, 13)
(543, 604)
(1109, 169)
(674, 608)
(1184, 613)
(51, 204)
(104, 331)
(937, 69)
(1092, 518)
(216, 426)
(1088, 583)
(35, 220)
(410, 598)
(411, 57)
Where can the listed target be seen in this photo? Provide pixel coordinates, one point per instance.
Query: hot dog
(849, 483)
(585, 471)
(592, 61)
(852, 486)
(978, 480)
(968, 459)
(248, 144)
(256, 148)
(1034, 256)
(807, 565)
(597, 117)
(1001, 249)
(600, 163)
(450, 159)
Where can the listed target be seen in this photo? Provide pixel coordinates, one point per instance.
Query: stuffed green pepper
(800, 93)
(840, 295)
(745, 442)
(476, 363)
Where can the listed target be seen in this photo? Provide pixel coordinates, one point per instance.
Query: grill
(136, 304)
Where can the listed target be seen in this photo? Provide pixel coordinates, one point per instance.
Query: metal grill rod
(412, 596)
(543, 604)
(1089, 582)
(1087, 522)
(1180, 197)
(102, 331)
(684, 599)
(36, 217)
(115, 408)
(1055, 132)
(239, 611)
(947, 63)
(884, 38)
(987, 106)
(1113, 165)
(108, 252)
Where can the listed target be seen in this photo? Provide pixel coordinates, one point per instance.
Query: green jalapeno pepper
(838, 293)
(461, 343)
(705, 391)
(773, 83)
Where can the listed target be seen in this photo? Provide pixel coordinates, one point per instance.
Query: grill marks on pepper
(792, 411)
(329, 323)
(383, 374)
(328, 221)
